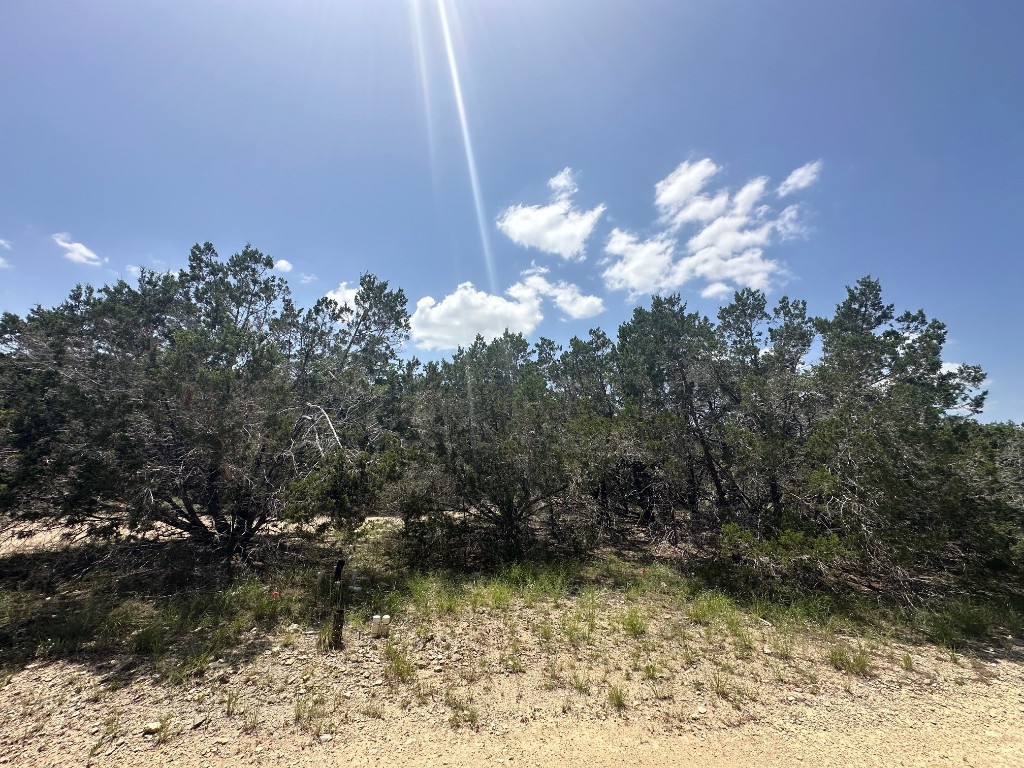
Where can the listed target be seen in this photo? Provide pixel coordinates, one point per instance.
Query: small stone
(152, 727)
(768, 650)
(326, 738)
(199, 721)
(702, 710)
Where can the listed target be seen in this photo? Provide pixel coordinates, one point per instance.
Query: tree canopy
(785, 445)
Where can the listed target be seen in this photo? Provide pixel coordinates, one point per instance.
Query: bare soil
(486, 688)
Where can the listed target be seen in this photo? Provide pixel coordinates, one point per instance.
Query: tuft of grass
(111, 731)
(907, 662)
(852, 661)
(575, 631)
(164, 732)
(397, 665)
(712, 606)
(312, 712)
(617, 697)
(742, 640)
(374, 710)
(251, 719)
(634, 622)
(231, 707)
(546, 632)
(580, 683)
(463, 711)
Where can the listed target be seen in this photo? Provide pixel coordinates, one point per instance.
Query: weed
(463, 711)
(854, 662)
(546, 632)
(580, 683)
(164, 732)
(712, 606)
(907, 662)
(397, 665)
(311, 712)
(742, 641)
(231, 704)
(374, 710)
(617, 697)
(251, 719)
(634, 622)
(512, 662)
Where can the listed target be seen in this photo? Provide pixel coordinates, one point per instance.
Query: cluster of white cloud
(283, 265)
(343, 294)
(4, 263)
(458, 318)
(558, 227)
(77, 252)
(801, 178)
(728, 234)
(727, 249)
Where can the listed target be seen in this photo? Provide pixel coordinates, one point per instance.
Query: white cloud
(563, 184)
(566, 296)
(788, 225)
(343, 294)
(77, 252)
(5, 244)
(283, 265)
(133, 270)
(459, 317)
(5, 264)
(716, 291)
(558, 227)
(727, 250)
(307, 279)
(801, 178)
(676, 194)
(643, 266)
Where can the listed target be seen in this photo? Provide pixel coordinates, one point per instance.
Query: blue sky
(594, 152)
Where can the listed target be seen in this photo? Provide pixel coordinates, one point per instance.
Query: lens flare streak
(467, 143)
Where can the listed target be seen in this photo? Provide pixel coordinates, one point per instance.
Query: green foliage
(789, 555)
(855, 661)
(193, 399)
(493, 457)
(204, 402)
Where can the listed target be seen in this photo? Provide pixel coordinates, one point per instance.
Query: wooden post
(338, 593)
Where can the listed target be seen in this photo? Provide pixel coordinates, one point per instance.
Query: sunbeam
(421, 64)
(467, 143)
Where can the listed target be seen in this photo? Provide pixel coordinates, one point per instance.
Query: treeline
(779, 445)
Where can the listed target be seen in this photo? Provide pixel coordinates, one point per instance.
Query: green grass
(397, 665)
(617, 697)
(711, 607)
(854, 661)
(635, 622)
